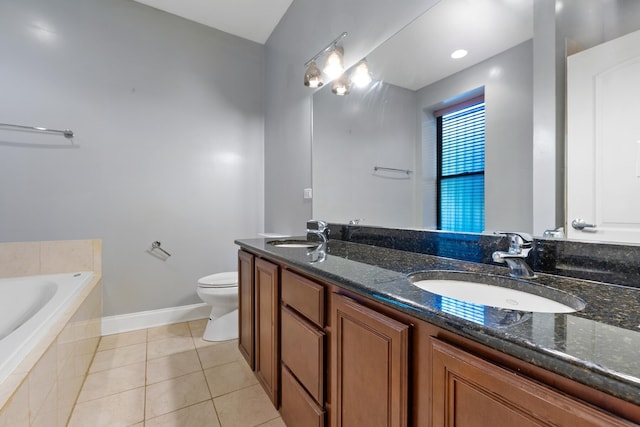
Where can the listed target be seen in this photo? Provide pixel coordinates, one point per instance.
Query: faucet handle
(520, 243)
(316, 225)
(526, 237)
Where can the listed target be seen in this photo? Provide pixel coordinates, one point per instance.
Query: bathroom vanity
(348, 340)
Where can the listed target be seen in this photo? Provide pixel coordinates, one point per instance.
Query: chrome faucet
(520, 245)
(318, 228)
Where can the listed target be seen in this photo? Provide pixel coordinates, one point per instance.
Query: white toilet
(220, 291)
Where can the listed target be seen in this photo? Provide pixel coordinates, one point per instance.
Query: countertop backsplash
(603, 262)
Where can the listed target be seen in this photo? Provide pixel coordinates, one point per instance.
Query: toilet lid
(219, 280)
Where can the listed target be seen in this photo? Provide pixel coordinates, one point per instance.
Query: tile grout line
(205, 376)
(84, 380)
(146, 362)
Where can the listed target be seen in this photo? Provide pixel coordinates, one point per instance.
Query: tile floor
(169, 376)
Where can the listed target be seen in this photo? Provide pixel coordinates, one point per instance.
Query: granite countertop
(598, 346)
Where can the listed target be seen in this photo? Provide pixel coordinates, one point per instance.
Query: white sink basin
(497, 291)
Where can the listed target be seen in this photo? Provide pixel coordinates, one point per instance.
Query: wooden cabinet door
(369, 367)
(267, 355)
(469, 391)
(245, 306)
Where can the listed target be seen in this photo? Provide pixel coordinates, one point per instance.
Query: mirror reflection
(377, 151)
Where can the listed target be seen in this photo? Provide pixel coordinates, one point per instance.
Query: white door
(603, 141)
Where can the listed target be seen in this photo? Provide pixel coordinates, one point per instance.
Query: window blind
(466, 310)
(461, 145)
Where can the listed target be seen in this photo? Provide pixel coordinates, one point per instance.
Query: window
(461, 141)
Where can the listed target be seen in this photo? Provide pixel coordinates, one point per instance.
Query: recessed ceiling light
(460, 53)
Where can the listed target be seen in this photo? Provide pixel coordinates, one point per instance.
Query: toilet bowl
(220, 291)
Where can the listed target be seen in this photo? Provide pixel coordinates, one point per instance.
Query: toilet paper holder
(156, 245)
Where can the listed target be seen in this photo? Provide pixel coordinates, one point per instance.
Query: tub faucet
(520, 245)
(318, 228)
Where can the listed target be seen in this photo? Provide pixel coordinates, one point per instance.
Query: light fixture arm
(326, 49)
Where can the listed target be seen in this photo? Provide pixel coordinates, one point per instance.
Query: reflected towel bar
(380, 168)
(67, 133)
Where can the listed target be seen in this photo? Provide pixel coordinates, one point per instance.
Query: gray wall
(307, 27)
(169, 122)
(369, 127)
(507, 80)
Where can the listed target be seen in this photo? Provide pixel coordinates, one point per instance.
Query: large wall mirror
(375, 149)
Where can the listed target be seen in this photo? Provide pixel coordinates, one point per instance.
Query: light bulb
(334, 65)
(341, 86)
(313, 76)
(361, 76)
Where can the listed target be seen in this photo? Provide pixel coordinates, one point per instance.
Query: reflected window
(461, 142)
(465, 310)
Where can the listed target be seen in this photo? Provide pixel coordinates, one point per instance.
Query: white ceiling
(420, 53)
(416, 56)
(249, 19)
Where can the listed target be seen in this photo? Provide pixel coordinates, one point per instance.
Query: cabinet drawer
(297, 408)
(304, 296)
(302, 350)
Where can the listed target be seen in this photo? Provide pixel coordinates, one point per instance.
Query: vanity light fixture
(334, 65)
(341, 85)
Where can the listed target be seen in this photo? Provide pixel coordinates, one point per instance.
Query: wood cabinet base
(470, 392)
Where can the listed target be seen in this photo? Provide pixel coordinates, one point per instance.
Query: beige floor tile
(179, 391)
(112, 381)
(201, 414)
(122, 409)
(229, 377)
(197, 327)
(176, 393)
(169, 331)
(247, 407)
(118, 357)
(219, 354)
(172, 366)
(168, 346)
(108, 342)
(274, 423)
(200, 343)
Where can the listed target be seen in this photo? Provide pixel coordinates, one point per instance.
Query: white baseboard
(148, 319)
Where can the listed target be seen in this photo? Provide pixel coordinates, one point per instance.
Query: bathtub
(28, 308)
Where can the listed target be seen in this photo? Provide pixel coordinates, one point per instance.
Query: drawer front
(297, 408)
(304, 296)
(302, 350)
